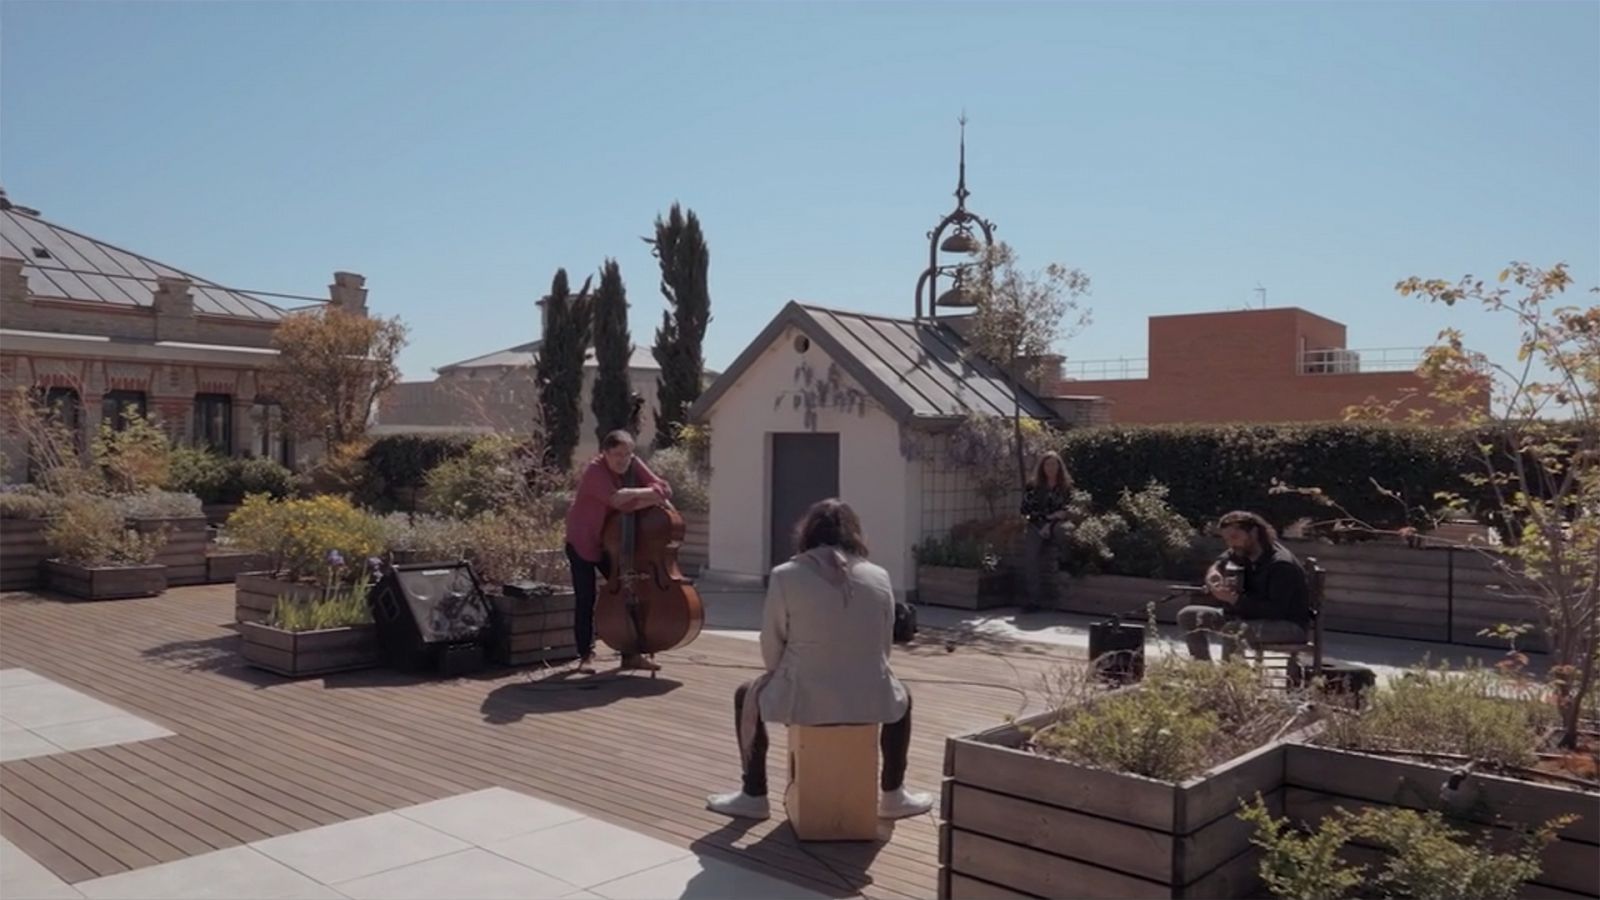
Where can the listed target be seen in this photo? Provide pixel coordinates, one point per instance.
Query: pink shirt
(586, 518)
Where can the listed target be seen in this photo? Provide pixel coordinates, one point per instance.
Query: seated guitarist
(600, 490)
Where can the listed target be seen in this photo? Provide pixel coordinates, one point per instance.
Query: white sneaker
(739, 805)
(902, 803)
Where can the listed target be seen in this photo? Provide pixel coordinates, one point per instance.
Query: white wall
(874, 477)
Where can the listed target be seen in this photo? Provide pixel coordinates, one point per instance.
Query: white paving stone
(485, 817)
(118, 729)
(358, 848)
(21, 878)
(587, 852)
(701, 878)
(469, 875)
(237, 872)
(12, 677)
(47, 703)
(20, 743)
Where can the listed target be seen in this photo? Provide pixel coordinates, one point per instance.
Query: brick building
(496, 393)
(96, 329)
(1259, 365)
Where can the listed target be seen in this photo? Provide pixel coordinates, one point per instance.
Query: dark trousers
(894, 742)
(584, 588)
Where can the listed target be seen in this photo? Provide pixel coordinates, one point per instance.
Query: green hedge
(404, 460)
(1213, 469)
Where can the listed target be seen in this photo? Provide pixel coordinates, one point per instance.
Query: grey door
(805, 469)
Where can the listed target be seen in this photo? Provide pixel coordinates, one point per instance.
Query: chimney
(172, 297)
(544, 318)
(1048, 377)
(174, 307)
(13, 280)
(348, 292)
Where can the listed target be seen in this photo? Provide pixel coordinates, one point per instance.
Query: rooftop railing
(1105, 369)
(1345, 362)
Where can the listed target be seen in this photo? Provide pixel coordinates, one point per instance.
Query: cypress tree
(559, 369)
(680, 247)
(613, 349)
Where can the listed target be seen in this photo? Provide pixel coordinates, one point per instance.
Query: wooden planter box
(531, 630)
(1429, 593)
(218, 513)
(1318, 779)
(301, 653)
(109, 583)
(256, 593)
(1018, 823)
(694, 555)
(1109, 595)
(223, 566)
(22, 550)
(184, 553)
(963, 588)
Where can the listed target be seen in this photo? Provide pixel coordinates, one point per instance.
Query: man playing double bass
(600, 490)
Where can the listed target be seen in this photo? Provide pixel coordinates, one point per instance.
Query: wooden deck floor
(256, 756)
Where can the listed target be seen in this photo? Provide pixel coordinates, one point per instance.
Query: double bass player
(601, 490)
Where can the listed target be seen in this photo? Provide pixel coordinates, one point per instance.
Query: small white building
(827, 403)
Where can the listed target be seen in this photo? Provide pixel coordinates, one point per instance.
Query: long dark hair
(1245, 520)
(830, 523)
(1063, 484)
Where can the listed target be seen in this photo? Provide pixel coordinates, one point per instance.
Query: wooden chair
(1293, 671)
(833, 782)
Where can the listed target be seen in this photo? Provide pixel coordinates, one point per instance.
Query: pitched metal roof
(919, 370)
(525, 354)
(60, 262)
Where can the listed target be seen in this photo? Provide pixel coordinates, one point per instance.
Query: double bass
(646, 605)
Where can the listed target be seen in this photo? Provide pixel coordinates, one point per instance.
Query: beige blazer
(827, 628)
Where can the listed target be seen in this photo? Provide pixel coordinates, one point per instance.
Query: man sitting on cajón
(1261, 586)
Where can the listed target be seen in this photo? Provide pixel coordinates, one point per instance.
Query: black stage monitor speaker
(431, 617)
(1116, 650)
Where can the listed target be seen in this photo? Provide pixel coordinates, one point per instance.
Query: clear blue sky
(457, 154)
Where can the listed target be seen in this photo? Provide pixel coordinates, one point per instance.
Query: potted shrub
(95, 556)
(295, 536)
(223, 482)
(332, 632)
(409, 538)
(523, 569)
(24, 512)
(1125, 557)
(1492, 736)
(1398, 852)
(1124, 793)
(691, 496)
(963, 573)
(179, 517)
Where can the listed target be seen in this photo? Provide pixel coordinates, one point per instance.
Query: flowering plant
(306, 538)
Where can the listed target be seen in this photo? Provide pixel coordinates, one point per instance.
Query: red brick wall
(1241, 367)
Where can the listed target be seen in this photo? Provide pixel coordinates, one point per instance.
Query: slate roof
(920, 371)
(104, 273)
(524, 355)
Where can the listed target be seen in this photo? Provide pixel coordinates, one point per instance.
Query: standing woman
(1044, 506)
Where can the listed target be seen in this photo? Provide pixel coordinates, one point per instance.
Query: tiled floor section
(39, 717)
(485, 845)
